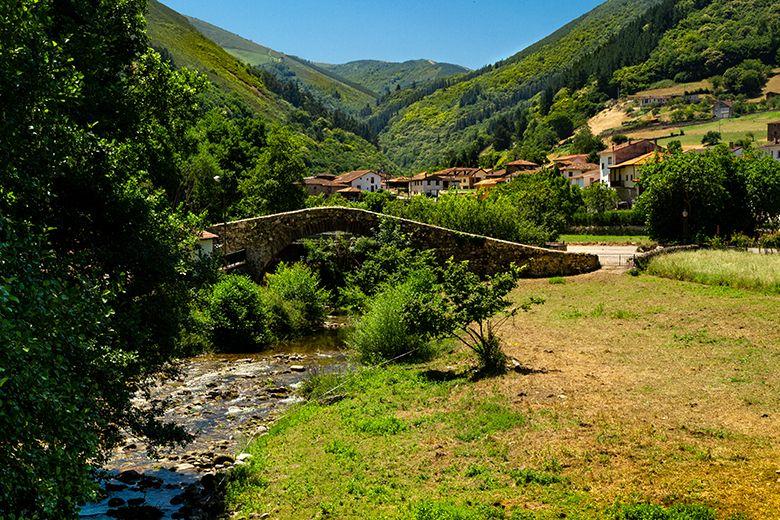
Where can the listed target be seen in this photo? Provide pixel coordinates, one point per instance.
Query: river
(224, 401)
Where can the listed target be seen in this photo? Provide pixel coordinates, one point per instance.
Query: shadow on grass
(443, 376)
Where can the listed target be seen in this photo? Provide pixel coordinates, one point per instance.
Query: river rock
(113, 486)
(128, 476)
(116, 502)
(181, 468)
(243, 457)
(136, 501)
(223, 459)
(298, 368)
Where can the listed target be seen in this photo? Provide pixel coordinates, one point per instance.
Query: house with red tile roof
(520, 166)
(617, 154)
(363, 180)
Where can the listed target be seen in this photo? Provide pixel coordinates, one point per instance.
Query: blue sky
(467, 32)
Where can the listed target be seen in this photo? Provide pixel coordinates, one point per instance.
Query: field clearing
(677, 90)
(634, 390)
(773, 85)
(736, 269)
(608, 119)
(606, 239)
(730, 129)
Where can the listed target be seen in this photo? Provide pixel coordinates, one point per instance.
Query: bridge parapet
(263, 238)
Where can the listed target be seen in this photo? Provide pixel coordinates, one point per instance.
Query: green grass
(602, 426)
(606, 239)
(731, 129)
(736, 269)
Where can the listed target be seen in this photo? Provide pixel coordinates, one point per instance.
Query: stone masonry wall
(265, 237)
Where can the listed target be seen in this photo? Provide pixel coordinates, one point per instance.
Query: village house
(722, 109)
(568, 159)
(205, 246)
(461, 177)
(428, 184)
(585, 179)
(490, 183)
(398, 185)
(571, 170)
(624, 177)
(617, 154)
(772, 150)
(363, 180)
(521, 166)
(321, 184)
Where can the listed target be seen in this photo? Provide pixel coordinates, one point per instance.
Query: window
(372, 180)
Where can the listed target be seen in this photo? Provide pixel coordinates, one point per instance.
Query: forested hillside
(712, 37)
(327, 134)
(383, 76)
(171, 31)
(330, 89)
(610, 36)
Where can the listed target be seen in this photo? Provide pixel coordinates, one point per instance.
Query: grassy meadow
(736, 269)
(638, 398)
(730, 129)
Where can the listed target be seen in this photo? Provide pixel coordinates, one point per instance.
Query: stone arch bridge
(260, 240)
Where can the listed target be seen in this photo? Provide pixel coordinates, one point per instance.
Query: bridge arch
(263, 238)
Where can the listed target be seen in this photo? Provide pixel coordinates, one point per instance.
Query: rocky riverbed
(224, 401)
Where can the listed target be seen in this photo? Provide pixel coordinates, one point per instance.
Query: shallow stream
(224, 401)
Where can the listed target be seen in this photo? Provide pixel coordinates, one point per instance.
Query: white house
(430, 184)
(772, 150)
(364, 180)
(205, 245)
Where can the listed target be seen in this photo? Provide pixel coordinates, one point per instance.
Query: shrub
(711, 138)
(599, 198)
(300, 285)
(383, 332)
(769, 240)
(628, 217)
(237, 316)
(402, 319)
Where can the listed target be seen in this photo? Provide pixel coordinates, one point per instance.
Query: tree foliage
(717, 192)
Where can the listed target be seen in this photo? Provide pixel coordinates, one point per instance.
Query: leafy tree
(619, 139)
(748, 78)
(479, 308)
(689, 196)
(585, 142)
(599, 198)
(674, 147)
(275, 183)
(711, 138)
(95, 260)
(762, 178)
(546, 200)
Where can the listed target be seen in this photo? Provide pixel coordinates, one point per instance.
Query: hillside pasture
(731, 130)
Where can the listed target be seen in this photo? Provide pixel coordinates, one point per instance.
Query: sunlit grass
(736, 269)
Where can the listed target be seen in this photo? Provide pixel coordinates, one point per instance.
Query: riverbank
(224, 401)
(624, 402)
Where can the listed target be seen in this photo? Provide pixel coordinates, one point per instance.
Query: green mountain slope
(329, 86)
(711, 37)
(383, 76)
(171, 31)
(426, 132)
